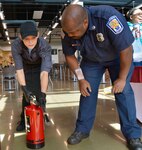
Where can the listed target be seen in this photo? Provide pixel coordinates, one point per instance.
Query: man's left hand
(118, 85)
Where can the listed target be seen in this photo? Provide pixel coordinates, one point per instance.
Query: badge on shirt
(115, 25)
(100, 37)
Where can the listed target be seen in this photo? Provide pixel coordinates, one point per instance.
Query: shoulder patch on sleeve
(115, 25)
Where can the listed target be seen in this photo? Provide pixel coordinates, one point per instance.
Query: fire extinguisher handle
(33, 100)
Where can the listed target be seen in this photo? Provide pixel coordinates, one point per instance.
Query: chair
(58, 71)
(9, 81)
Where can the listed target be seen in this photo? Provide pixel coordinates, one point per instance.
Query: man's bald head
(73, 16)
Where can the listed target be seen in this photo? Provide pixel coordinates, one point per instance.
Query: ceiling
(46, 13)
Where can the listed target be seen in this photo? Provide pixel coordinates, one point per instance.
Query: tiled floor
(62, 107)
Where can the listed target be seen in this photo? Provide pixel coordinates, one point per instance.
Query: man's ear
(85, 23)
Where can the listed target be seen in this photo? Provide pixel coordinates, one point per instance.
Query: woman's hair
(131, 11)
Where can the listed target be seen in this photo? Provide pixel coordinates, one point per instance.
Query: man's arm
(46, 65)
(21, 77)
(74, 66)
(44, 81)
(84, 85)
(72, 62)
(125, 63)
(22, 82)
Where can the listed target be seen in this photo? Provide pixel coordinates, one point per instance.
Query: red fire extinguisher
(34, 122)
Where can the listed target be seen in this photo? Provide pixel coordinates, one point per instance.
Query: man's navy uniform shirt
(40, 55)
(107, 35)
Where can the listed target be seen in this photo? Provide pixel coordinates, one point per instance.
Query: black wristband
(24, 89)
(43, 95)
(28, 95)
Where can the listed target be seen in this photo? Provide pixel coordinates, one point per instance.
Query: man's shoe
(46, 120)
(77, 137)
(21, 126)
(134, 144)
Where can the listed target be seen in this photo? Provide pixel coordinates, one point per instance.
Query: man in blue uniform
(32, 57)
(102, 36)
